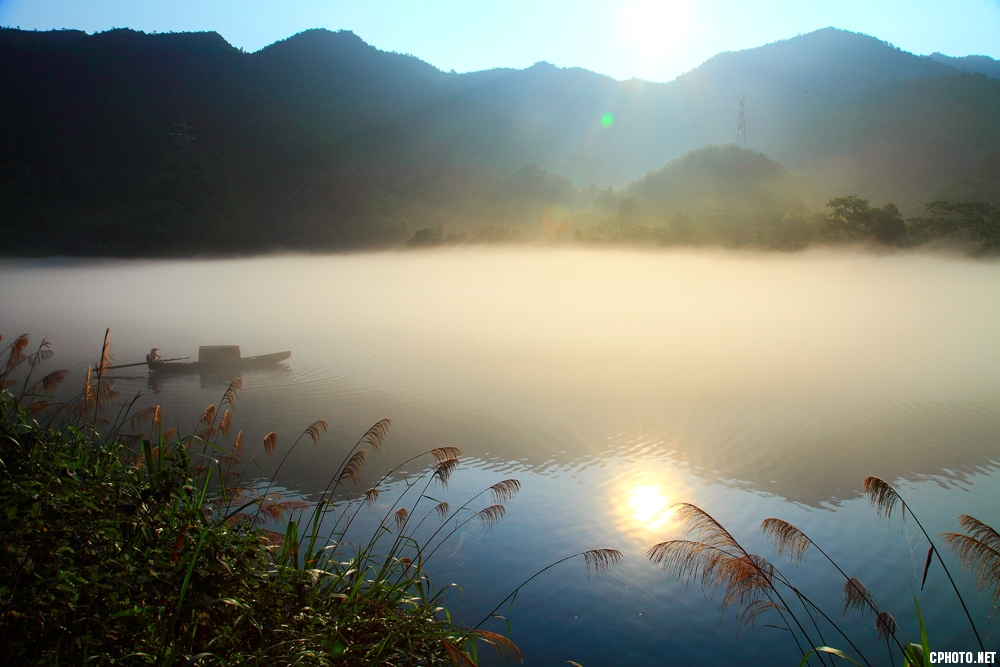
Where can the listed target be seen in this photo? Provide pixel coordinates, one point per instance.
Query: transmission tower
(741, 125)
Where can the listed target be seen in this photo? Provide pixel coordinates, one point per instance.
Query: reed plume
(978, 550)
(376, 434)
(442, 510)
(226, 422)
(352, 470)
(885, 499)
(490, 516)
(106, 357)
(857, 598)
(370, 499)
(786, 537)
(442, 453)
(208, 416)
(270, 442)
(238, 445)
(504, 648)
(371, 496)
(744, 578)
(719, 561)
(43, 353)
(885, 625)
(401, 515)
(505, 490)
(601, 560)
(703, 526)
(142, 416)
(314, 430)
(52, 381)
(456, 655)
(275, 508)
(16, 351)
(87, 397)
(232, 392)
(443, 470)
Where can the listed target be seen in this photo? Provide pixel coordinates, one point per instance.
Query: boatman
(153, 356)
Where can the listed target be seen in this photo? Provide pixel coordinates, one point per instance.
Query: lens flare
(608, 119)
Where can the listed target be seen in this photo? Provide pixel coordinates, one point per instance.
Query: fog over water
(612, 383)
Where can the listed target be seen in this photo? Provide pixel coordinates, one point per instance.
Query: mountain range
(123, 142)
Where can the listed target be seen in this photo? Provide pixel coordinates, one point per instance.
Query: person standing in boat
(153, 356)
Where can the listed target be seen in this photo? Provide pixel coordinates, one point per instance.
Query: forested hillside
(124, 142)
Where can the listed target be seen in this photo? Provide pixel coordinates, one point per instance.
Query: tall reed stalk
(885, 499)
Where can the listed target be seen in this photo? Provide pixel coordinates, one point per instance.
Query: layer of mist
(792, 375)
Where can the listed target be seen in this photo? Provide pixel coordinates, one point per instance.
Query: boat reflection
(215, 378)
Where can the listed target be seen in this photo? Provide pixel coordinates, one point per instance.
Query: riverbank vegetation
(737, 197)
(126, 547)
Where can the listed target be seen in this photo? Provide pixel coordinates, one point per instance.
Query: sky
(656, 40)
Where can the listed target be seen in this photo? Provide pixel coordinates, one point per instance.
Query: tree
(978, 222)
(853, 219)
(629, 212)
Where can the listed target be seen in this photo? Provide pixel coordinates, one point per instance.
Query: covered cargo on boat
(219, 354)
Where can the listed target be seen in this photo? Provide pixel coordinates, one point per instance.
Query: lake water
(612, 384)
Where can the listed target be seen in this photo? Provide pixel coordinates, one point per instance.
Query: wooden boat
(218, 358)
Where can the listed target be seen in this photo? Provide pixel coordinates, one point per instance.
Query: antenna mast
(741, 126)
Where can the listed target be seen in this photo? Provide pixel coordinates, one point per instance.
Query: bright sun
(658, 27)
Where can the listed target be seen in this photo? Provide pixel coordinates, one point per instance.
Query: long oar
(143, 363)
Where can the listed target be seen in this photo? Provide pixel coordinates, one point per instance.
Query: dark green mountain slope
(981, 184)
(123, 142)
(903, 141)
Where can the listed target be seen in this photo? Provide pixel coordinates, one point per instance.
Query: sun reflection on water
(650, 507)
(643, 505)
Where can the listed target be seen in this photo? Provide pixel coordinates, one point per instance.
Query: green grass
(121, 547)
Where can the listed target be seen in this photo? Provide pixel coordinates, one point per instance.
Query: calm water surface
(612, 385)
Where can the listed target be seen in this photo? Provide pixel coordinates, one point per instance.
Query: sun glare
(658, 27)
(650, 507)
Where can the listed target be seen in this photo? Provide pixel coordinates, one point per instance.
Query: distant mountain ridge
(323, 140)
(979, 64)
